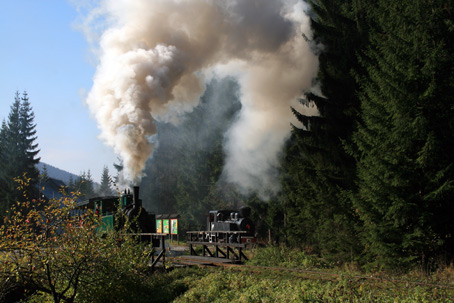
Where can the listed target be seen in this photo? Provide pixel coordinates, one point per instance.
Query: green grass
(268, 286)
(301, 278)
(278, 274)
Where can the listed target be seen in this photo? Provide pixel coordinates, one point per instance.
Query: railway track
(304, 273)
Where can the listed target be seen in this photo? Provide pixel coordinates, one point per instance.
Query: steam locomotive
(224, 225)
(232, 226)
(131, 206)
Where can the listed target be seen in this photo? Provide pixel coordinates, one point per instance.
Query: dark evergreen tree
(105, 189)
(71, 184)
(269, 218)
(3, 161)
(19, 151)
(10, 153)
(28, 145)
(44, 176)
(319, 173)
(404, 142)
(84, 185)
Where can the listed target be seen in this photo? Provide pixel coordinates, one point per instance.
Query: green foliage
(370, 178)
(84, 185)
(269, 218)
(318, 173)
(3, 158)
(250, 285)
(47, 250)
(18, 152)
(403, 143)
(120, 274)
(282, 256)
(105, 188)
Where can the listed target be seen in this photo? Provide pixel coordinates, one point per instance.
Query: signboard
(174, 226)
(159, 226)
(166, 226)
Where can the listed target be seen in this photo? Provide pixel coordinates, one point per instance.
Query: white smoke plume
(155, 57)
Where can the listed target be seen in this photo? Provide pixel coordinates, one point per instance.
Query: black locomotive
(133, 210)
(221, 221)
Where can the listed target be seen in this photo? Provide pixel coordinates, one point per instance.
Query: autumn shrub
(48, 251)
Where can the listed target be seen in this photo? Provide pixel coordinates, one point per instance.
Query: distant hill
(56, 173)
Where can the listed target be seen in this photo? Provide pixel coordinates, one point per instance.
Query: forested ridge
(370, 179)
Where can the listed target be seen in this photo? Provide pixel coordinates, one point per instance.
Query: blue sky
(42, 52)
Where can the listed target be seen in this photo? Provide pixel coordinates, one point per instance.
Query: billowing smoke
(155, 57)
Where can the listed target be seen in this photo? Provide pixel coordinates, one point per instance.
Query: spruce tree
(19, 151)
(3, 161)
(44, 176)
(319, 174)
(90, 191)
(71, 184)
(29, 147)
(105, 189)
(10, 169)
(84, 185)
(404, 141)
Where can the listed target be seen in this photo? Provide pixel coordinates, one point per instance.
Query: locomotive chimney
(137, 201)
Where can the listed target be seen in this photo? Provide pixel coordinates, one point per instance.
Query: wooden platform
(214, 244)
(203, 261)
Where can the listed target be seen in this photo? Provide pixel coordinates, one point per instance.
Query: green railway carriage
(105, 207)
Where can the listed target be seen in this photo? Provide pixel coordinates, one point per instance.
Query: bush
(62, 257)
(282, 256)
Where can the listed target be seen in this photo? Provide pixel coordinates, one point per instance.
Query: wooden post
(163, 241)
